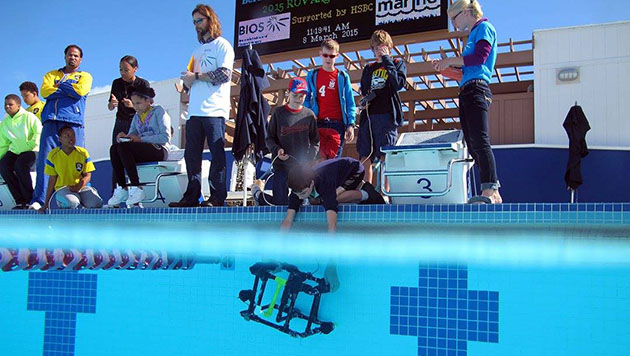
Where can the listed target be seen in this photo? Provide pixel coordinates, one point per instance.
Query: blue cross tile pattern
(443, 313)
(61, 295)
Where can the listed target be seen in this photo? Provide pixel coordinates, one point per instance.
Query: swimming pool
(515, 279)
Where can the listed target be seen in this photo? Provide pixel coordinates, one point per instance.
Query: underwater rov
(290, 287)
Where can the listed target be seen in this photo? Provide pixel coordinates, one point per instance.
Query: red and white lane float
(58, 259)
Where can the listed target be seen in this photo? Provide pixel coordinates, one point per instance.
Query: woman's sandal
(480, 199)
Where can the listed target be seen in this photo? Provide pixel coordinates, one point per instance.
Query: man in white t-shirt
(208, 77)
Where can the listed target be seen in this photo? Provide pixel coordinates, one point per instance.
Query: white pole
(245, 175)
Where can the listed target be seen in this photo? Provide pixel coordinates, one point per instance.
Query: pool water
(404, 288)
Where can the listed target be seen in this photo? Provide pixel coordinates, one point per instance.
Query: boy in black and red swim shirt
(291, 138)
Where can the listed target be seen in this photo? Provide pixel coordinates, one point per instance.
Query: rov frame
(286, 311)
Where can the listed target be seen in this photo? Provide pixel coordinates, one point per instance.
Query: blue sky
(161, 35)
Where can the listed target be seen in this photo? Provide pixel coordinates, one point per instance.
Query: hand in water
(330, 275)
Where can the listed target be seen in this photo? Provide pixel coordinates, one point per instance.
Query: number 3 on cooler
(426, 187)
(322, 91)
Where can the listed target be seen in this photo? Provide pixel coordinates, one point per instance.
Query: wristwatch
(196, 75)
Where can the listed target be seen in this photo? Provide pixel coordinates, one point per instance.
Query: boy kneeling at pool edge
(331, 182)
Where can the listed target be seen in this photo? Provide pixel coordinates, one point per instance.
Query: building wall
(512, 119)
(602, 54)
(99, 121)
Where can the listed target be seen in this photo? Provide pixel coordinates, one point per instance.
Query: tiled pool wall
(522, 213)
(415, 309)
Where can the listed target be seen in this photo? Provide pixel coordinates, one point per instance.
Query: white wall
(99, 121)
(602, 54)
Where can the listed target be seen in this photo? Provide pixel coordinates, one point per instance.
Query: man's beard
(201, 34)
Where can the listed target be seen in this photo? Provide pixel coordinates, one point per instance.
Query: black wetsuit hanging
(576, 125)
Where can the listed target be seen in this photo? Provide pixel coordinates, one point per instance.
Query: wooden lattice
(430, 100)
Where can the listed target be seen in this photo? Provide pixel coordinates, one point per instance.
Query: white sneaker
(35, 206)
(136, 195)
(119, 196)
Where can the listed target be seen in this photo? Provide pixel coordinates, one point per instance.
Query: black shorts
(377, 132)
(353, 182)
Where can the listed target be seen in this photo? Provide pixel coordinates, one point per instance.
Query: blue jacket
(156, 129)
(65, 96)
(348, 107)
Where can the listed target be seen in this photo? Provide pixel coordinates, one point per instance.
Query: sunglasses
(325, 55)
(198, 21)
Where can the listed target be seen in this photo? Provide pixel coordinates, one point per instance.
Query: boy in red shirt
(332, 101)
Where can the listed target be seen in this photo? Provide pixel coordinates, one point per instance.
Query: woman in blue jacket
(477, 64)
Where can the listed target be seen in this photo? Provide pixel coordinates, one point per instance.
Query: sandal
(480, 199)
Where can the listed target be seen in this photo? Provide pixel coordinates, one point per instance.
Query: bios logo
(388, 11)
(264, 29)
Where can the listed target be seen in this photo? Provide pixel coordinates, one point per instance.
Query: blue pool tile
(493, 296)
(493, 337)
(482, 337)
(520, 213)
(493, 327)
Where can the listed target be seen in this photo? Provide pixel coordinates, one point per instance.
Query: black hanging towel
(576, 125)
(253, 108)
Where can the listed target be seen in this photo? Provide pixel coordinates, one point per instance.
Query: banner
(274, 26)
